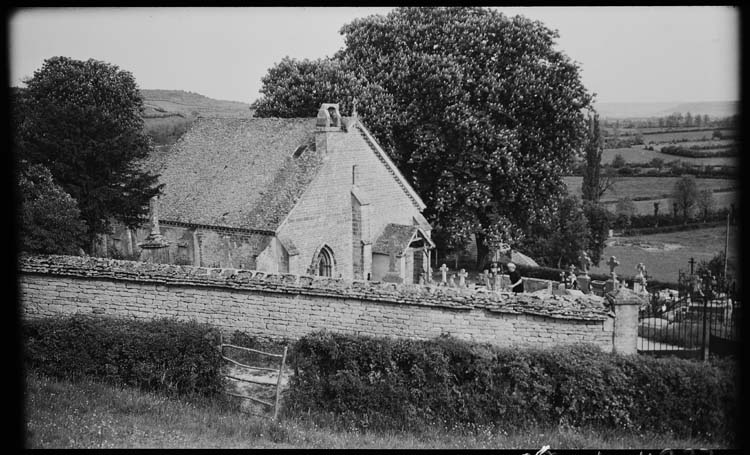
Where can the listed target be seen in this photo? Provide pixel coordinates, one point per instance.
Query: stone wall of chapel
(201, 246)
(323, 215)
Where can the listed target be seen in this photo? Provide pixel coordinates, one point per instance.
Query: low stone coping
(586, 307)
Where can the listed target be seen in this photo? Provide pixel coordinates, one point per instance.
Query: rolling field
(653, 187)
(637, 154)
(696, 135)
(665, 254)
(722, 200)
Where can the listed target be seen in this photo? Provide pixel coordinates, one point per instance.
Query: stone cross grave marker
(613, 263)
(641, 272)
(462, 278)
(639, 283)
(585, 263)
(572, 283)
(493, 275)
(444, 274)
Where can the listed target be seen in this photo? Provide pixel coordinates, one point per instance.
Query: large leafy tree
(49, 221)
(297, 88)
(595, 183)
(484, 114)
(560, 241)
(599, 220)
(82, 121)
(685, 195)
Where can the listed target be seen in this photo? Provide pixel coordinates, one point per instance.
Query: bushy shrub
(161, 355)
(389, 383)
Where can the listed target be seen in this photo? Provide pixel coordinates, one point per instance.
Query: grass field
(637, 154)
(713, 144)
(682, 135)
(665, 254)
(654, 130)
(722, 200)
(87, 414)
(653, 187)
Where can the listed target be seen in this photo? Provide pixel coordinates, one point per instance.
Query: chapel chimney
(328, 121)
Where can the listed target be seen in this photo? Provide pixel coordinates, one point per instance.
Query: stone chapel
(314, 196)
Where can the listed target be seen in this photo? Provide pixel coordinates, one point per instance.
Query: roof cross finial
(354, 107)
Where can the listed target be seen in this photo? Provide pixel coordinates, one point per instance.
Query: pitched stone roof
(236, 172)
(394, 239)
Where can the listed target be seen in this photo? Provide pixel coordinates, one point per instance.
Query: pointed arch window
(324, 262)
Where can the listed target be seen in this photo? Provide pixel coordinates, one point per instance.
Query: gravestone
(462, 278)
(392, 275)
(571, 282)
(444, 275)
(584, 280)
(452, 281)
(496, 277)
(611, 284)
(639, 284)
(486, 278)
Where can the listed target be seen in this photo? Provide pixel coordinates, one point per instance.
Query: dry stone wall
(277, 306)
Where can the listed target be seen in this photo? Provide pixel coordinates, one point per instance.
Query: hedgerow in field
(395, 383)
(162, 355)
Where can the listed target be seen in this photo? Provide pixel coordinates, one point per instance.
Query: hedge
(667, 222)
(698, 152)
(162, 355)
(630, 232)
(404, 384)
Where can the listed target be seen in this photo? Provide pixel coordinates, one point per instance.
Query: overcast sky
(636, 54)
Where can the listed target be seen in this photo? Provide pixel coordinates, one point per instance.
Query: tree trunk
(483, 252)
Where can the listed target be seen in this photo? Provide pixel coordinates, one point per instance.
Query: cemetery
(434, 232)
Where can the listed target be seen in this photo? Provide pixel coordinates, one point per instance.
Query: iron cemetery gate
(697, 320)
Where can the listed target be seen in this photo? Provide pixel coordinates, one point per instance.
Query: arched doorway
(324, 263)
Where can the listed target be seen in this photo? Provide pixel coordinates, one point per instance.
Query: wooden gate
(279, 371)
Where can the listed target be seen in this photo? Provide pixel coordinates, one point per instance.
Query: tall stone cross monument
(155, 248)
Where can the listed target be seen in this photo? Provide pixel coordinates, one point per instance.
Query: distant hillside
(624, 110)
(169, 113)
(161, 102)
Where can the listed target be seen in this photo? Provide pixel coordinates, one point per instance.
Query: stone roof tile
(236, 172)
(394, 239)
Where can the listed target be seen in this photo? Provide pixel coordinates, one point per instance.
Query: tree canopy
(482, 114)
(685, 194)
(82, 121)
(49, 221)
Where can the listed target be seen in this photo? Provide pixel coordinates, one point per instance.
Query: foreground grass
(88, 414)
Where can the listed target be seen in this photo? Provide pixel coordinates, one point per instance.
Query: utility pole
(726, 249)
(692, 263)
